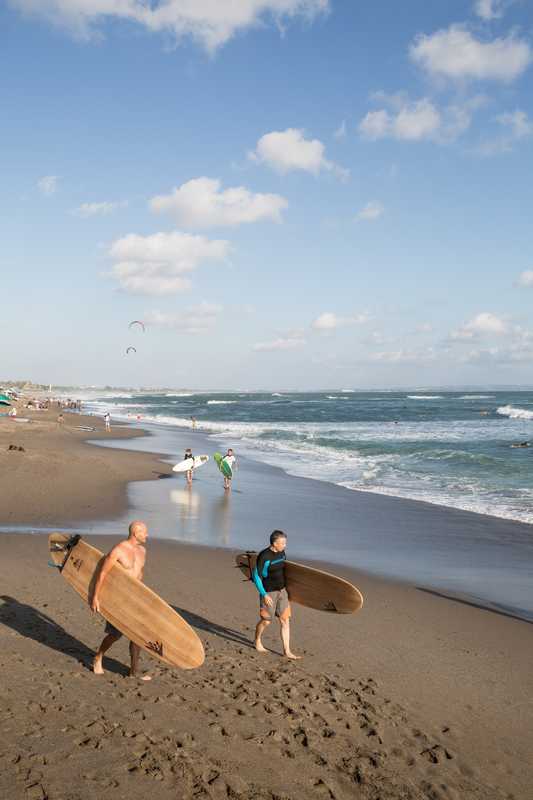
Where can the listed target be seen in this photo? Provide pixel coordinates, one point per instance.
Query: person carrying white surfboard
(130, 554)
(268, 575)
(188, 455)
(230, 460)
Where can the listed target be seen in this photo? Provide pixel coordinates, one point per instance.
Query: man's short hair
(275, 535)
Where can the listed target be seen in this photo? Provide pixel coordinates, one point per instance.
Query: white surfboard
(190, 463)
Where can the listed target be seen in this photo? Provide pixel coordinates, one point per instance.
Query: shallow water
(449, 448)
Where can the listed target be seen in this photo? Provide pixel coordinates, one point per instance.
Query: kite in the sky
(137, 322)
(131, 350)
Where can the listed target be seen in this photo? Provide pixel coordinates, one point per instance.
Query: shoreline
(117, 474)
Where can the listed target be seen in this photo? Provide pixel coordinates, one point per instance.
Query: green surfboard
(222, 465)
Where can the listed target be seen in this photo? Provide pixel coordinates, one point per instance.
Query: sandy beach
(56, 479)
(417, 696)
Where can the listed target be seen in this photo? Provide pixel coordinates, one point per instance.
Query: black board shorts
(112, 630)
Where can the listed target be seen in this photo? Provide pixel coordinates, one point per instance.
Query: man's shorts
(280, 603)
(112, 630)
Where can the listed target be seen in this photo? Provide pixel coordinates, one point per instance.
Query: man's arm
(256, 575)
(110, 560)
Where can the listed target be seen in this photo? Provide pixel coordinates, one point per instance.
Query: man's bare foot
(140, 677)
(292, 656)
(259, 647)
(97, 665)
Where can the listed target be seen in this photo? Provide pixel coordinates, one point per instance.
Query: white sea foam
(515, 413)
(476, 397)
(425, 397)
(179, 394)
(221, 402)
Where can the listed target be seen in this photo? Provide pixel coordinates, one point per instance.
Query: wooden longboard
(312, 587)
(129, 605)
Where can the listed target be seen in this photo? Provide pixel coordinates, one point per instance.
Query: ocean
(448, 448)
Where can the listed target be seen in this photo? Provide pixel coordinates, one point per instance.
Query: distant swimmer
(269, 578)
(193, 423)
(230, 460)
(521, 444)
(131, 554)
(188, 455)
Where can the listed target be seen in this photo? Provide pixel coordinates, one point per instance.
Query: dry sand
(417, 696)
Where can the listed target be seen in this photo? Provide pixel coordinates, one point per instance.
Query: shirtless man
(131, 554)
(269, 578)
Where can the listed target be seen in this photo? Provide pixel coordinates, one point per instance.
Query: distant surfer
(269, 578)
(230, 460)
(521, 444)
(131, 554)
(188, 455)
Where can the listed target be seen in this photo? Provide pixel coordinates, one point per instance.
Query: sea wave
(515, 413)
(476, 397)
(221, 402)
(425, 397)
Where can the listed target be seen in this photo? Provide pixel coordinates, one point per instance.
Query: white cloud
(289, 150)
(209, 22)
(517, 126)
(517, 353)
(483, 324)
(48, 184)
(418, 120)
(411, 122)
(159, 264)
(372, 211)
(327, 321)
(376, 125)
(455, 53)
(93, 209)
(526, 278)
(195, 319)
(518, 123)
(279, 344)
(341, 131)
(200, 203)
(404, 356)
(489, 9)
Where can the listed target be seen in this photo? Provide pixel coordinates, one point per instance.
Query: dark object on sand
(16, 447)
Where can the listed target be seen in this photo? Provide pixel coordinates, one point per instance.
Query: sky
(288, 193)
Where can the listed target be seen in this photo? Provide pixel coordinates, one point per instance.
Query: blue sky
(307, 194)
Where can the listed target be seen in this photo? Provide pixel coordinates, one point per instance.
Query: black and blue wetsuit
(269, 571)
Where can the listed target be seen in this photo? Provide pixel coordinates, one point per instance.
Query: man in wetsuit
(269, 578)
(131, 554)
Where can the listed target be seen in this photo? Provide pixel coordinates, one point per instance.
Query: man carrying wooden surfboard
(268, 575)
(131, 554)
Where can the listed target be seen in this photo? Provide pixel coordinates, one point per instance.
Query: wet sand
(416, 696)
